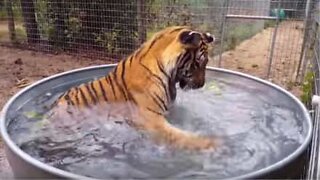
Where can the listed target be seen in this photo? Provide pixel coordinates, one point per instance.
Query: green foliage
(214, 87)
(43, 24)
(307, 87)
(3, 14)
(108, 40)
(16, 13)
(269, 23)
(21, 34)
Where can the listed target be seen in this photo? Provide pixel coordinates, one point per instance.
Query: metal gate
(284, 22)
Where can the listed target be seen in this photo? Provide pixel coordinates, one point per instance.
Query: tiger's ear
(208, 38)
(190, 38)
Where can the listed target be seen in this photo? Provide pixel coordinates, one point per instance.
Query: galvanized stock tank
(287, 164)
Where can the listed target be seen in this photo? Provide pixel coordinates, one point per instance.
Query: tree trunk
(28, 12)
(11, 21)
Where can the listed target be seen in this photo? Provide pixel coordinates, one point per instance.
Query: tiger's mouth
(189, 83)
(183, 84)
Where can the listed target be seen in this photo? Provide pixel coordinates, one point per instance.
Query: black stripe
(184, 60)
(118, 84)
(116, 68)
(137, 52)
(92, 96)
(160, 66)
(130, 97)
(76, 95)
(93, 89)
(200, 55)
(162, 84)
(157, 102)
(85, 101)
(109, 80)
(151, 110)
(103, 91)
(162, 102)
(123, 65)
(68, 99)
(150, 72)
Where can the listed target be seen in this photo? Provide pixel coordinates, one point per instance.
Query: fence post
(222, 30)
(305, 36)
(274, 38)
(11, 25)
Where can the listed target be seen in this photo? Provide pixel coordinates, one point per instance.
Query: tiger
(147, 78)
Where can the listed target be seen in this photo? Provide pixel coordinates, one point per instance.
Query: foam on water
(256, 131)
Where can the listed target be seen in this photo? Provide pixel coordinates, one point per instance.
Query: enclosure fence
(112, 29)
(312, 77)
(274, 39)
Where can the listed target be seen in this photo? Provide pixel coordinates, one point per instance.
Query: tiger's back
(147, 79)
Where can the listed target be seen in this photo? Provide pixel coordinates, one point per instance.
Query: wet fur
(147, 79)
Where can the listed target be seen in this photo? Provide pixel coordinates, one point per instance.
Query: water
(257, 129)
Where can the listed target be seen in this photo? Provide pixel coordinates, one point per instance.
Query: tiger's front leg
(162, 131)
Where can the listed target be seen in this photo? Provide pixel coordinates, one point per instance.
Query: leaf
(42, 123)
(33, 115)
(213, 86)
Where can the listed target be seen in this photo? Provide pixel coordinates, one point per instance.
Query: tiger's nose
(198, 85)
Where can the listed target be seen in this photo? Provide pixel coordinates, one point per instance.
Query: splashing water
(256, 130)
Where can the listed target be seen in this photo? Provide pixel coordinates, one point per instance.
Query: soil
(19, 68)
(252, 56)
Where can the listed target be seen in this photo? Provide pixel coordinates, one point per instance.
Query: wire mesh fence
(112, 29)
(312, 84)
(273, 39)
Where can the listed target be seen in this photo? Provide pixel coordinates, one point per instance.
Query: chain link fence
(112, 29)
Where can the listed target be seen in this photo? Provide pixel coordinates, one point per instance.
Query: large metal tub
(24, 166)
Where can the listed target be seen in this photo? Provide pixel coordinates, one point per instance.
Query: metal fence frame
(226, 11)
(142, 13)
(312, 55)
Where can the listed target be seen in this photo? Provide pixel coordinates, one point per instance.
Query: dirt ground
(19, 68)
(252, 55)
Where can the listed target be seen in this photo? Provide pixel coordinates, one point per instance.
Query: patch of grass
(21, 33)
(3, 14)
(269, 23)
(307, 87)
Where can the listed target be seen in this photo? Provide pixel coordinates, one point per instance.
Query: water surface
(257, 127)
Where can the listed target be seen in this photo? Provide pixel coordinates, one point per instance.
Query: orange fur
(146, 78)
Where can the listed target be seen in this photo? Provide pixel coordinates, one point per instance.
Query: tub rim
(65, 174)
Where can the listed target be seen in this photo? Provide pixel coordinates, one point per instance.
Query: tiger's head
(191, 64)
(181, 52)
(185, 55)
